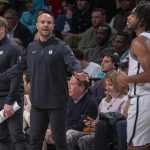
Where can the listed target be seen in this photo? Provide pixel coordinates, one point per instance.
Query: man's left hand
(122, 79)
(81, 76)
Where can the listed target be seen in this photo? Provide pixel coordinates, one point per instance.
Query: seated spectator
(109, 7)
(113, 102)
(80, 103)
(98, 18)
(103, 34)
(63, 21)
(88, 40)
(108, 63)
(17, 29)
(91, 68)
(121, 44)
(81, 20)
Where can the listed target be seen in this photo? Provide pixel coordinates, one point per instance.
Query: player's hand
(122, 79)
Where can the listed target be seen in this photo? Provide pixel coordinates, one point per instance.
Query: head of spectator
(77, 87)
(12, 18)
(98, 17)
(3, 6)
(83, 5)
(16, 29)
(103, 34)
(65, 5)
(112, 86)
(69, 12)
(28, 4)
(121, 42)
(127, 4)
(88, 67)
(109, 61)
(80, 56)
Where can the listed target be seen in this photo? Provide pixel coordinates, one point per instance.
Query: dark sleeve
(14, 57)
(14, 73)
(15, 69)
(70, 60)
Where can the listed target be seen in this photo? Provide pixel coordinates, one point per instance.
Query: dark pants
(103, 132)
(11, 131)
(121, 127)
(39, 120)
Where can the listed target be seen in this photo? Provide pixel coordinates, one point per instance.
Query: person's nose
(106, 87)
(102, 64)
(45, 24)
(114, 44)
(128, 18)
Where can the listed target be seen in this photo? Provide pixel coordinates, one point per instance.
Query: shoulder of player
(139, 46)
(139, 42)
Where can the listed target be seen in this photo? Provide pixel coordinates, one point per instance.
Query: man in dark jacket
(10, 91)
(47, 59)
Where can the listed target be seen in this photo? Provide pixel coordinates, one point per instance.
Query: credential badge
(1, 52)
(50, 52)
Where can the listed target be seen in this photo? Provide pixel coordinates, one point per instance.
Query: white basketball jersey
(137, 89)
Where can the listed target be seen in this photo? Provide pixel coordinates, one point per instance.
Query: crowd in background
(97, 33)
